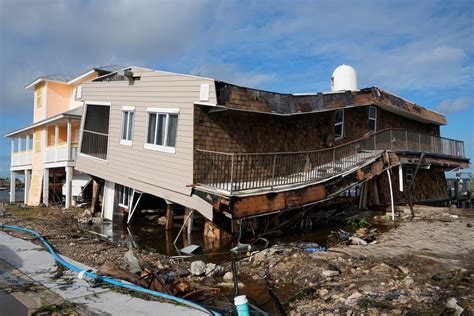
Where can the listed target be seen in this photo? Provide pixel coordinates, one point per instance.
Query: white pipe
(391, 194)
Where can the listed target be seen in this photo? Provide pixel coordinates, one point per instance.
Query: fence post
(273, 171)
(232, 175)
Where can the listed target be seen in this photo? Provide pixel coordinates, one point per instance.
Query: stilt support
(169, 216)
(12, 187)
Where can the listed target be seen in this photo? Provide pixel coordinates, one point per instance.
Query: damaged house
(44, 152)
(230, 152)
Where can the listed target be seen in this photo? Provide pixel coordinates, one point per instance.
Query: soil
(414, 268)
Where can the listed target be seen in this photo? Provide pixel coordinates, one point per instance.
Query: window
(409, 175)
(161, 130)
(95, 134)
(39, 96)
(123, 194)
(372, 118)
(339, 124)
(128, 116)
(78, 92)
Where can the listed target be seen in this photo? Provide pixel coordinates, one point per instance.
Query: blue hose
(110, 280)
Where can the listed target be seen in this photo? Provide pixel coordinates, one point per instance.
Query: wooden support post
(211, 231)
(169, 216)
(95, 195)
(187, 212)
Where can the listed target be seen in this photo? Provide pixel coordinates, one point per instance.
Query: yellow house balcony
(22, 159)
(60, 153)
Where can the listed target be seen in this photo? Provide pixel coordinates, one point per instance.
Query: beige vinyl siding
(167, 175)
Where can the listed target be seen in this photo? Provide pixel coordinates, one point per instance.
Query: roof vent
(344, 78)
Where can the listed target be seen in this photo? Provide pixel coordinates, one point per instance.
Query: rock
(132, 262)
(357, 241)
(323, 292)
(453, 304)
(228, 276)
(162, 220)
(214, 270)
(329, 273)
(230, 284)
(198, 267)
(408, 281)
(259, 257)
(182, 271)
(443, 276)
(273, 262)
(353, 298)
(403, 269)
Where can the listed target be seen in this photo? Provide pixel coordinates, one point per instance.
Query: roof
(74, 114)
(235, 97)
(102, 70)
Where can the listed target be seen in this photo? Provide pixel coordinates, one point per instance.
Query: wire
(110, 280)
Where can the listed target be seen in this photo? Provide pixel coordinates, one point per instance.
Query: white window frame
(157, 111)
(127, 109)
(123, 198)
(340, 123)
(373, 118)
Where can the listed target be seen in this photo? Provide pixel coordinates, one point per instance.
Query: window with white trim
(123, 195)
(161, 129)
(372, 118)
(339, 124)
(128, 117)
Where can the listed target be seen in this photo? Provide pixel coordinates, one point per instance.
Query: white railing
(60, 153)
(21, 158)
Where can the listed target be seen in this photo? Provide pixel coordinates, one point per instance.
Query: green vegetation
(363, 222)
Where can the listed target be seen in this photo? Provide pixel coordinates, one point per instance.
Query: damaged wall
(238, 131)
(429, 185)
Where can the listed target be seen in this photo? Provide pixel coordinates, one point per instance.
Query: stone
(353, 298)
(443, 276)
(323, 292)
(182, 271)
(403, 269)
(228, 276)
(453, 304)
(214, 270)
(408, 281)
(162, 220)
(329, 273)
(132, 262)
(198, 267)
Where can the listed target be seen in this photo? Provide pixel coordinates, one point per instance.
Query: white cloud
(453, 106)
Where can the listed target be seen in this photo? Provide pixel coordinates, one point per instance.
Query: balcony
(60, 153)
(237, 172)
(22, 159)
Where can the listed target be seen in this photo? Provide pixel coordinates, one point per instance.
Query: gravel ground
(419, 267)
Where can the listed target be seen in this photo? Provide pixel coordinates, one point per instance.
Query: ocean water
(5, 196)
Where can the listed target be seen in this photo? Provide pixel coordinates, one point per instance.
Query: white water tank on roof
(344, 78)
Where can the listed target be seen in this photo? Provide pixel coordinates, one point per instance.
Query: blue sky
(420, 50)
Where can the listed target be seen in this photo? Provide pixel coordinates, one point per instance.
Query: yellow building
(45, 151)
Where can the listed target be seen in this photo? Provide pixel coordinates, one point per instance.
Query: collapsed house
(231, 152)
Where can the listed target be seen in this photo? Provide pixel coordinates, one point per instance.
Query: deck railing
(232, 172)
(94, 144)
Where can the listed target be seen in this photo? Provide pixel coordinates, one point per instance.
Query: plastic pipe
(110, 280)
(241, 302)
